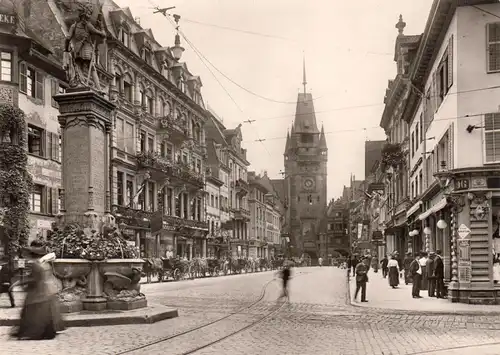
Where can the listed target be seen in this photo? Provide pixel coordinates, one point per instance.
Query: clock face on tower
(309, 183)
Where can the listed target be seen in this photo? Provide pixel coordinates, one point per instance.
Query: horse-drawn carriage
(164, 268)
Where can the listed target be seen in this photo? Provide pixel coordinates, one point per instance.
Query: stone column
(181, 197)
(204, 248)
(188, 206)
(190, 251)
(85, 119)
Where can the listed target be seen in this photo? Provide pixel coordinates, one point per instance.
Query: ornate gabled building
(31, 73)
(156, 147)
(305, 177)
(227, 159)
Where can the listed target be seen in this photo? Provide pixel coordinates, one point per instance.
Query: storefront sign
(464, 263)
(462, 184)
(7, 19)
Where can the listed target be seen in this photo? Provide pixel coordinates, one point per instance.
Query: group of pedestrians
(425, 271)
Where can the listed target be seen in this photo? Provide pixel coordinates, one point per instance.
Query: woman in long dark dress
(40, 316)
(393, 272)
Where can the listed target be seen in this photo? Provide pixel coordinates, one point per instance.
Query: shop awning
(413, 209)
(434, 209)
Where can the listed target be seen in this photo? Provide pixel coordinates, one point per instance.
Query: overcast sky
(349, 49)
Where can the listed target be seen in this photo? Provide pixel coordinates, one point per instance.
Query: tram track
(240, 311)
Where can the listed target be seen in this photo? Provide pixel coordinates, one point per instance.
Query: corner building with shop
(450, 102)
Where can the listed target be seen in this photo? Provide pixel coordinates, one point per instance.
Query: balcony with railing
(133, 218)
(241, 213)
(178, 173)
(178, 224)
(242, 187)
(175, 128)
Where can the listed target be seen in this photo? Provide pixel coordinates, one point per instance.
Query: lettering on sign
(462, 184)
(464, 274)
(463, 231)
(464, 251)
(8, 19)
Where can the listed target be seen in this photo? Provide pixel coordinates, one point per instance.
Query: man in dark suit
(439, 275)
(416, 272)
(361, 279)
(429, 269)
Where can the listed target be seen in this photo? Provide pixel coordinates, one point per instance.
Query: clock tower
(305, 160)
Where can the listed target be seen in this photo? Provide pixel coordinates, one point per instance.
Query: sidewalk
(381, 296)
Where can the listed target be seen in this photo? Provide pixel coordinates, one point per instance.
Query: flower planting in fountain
(80, 253)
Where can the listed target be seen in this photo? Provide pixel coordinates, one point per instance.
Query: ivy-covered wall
(15, 181)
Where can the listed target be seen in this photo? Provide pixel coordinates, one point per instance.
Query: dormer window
(182, 84)
(146, 55)
(125, 35)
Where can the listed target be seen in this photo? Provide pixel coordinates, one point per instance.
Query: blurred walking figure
(384, 263)
(406, 265)
(320, 261)
(285, 274)
(40, 316)
(6, 282)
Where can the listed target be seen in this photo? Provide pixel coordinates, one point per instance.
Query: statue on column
(81, 48)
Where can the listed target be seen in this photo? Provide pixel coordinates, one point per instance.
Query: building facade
(396, 153)
(266, 212)
(31, 74)
(335, 241)
(227, 161)
(157, 145)
(214, 207)
(457, 210)
(305, 178)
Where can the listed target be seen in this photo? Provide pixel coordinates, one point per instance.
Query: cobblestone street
(318, 320)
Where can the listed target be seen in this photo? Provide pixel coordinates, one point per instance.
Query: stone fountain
(96, 268)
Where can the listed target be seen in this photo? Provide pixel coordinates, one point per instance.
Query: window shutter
(39, 85)
(53, 146)
(54, 86)
(450, 62)
(22, 78)
(47, 145)
(55, 199)
(450, 163)
(57, 152)
(46, 200)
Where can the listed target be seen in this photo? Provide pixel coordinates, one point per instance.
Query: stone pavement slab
(150, 314)
(381, 296)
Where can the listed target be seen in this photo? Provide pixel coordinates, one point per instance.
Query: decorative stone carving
(81, 47)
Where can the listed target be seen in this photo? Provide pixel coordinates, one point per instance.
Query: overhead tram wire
(225, 75)
(364, 129)
(213, 74)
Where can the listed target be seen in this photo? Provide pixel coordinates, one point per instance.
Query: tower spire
(304, 80)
